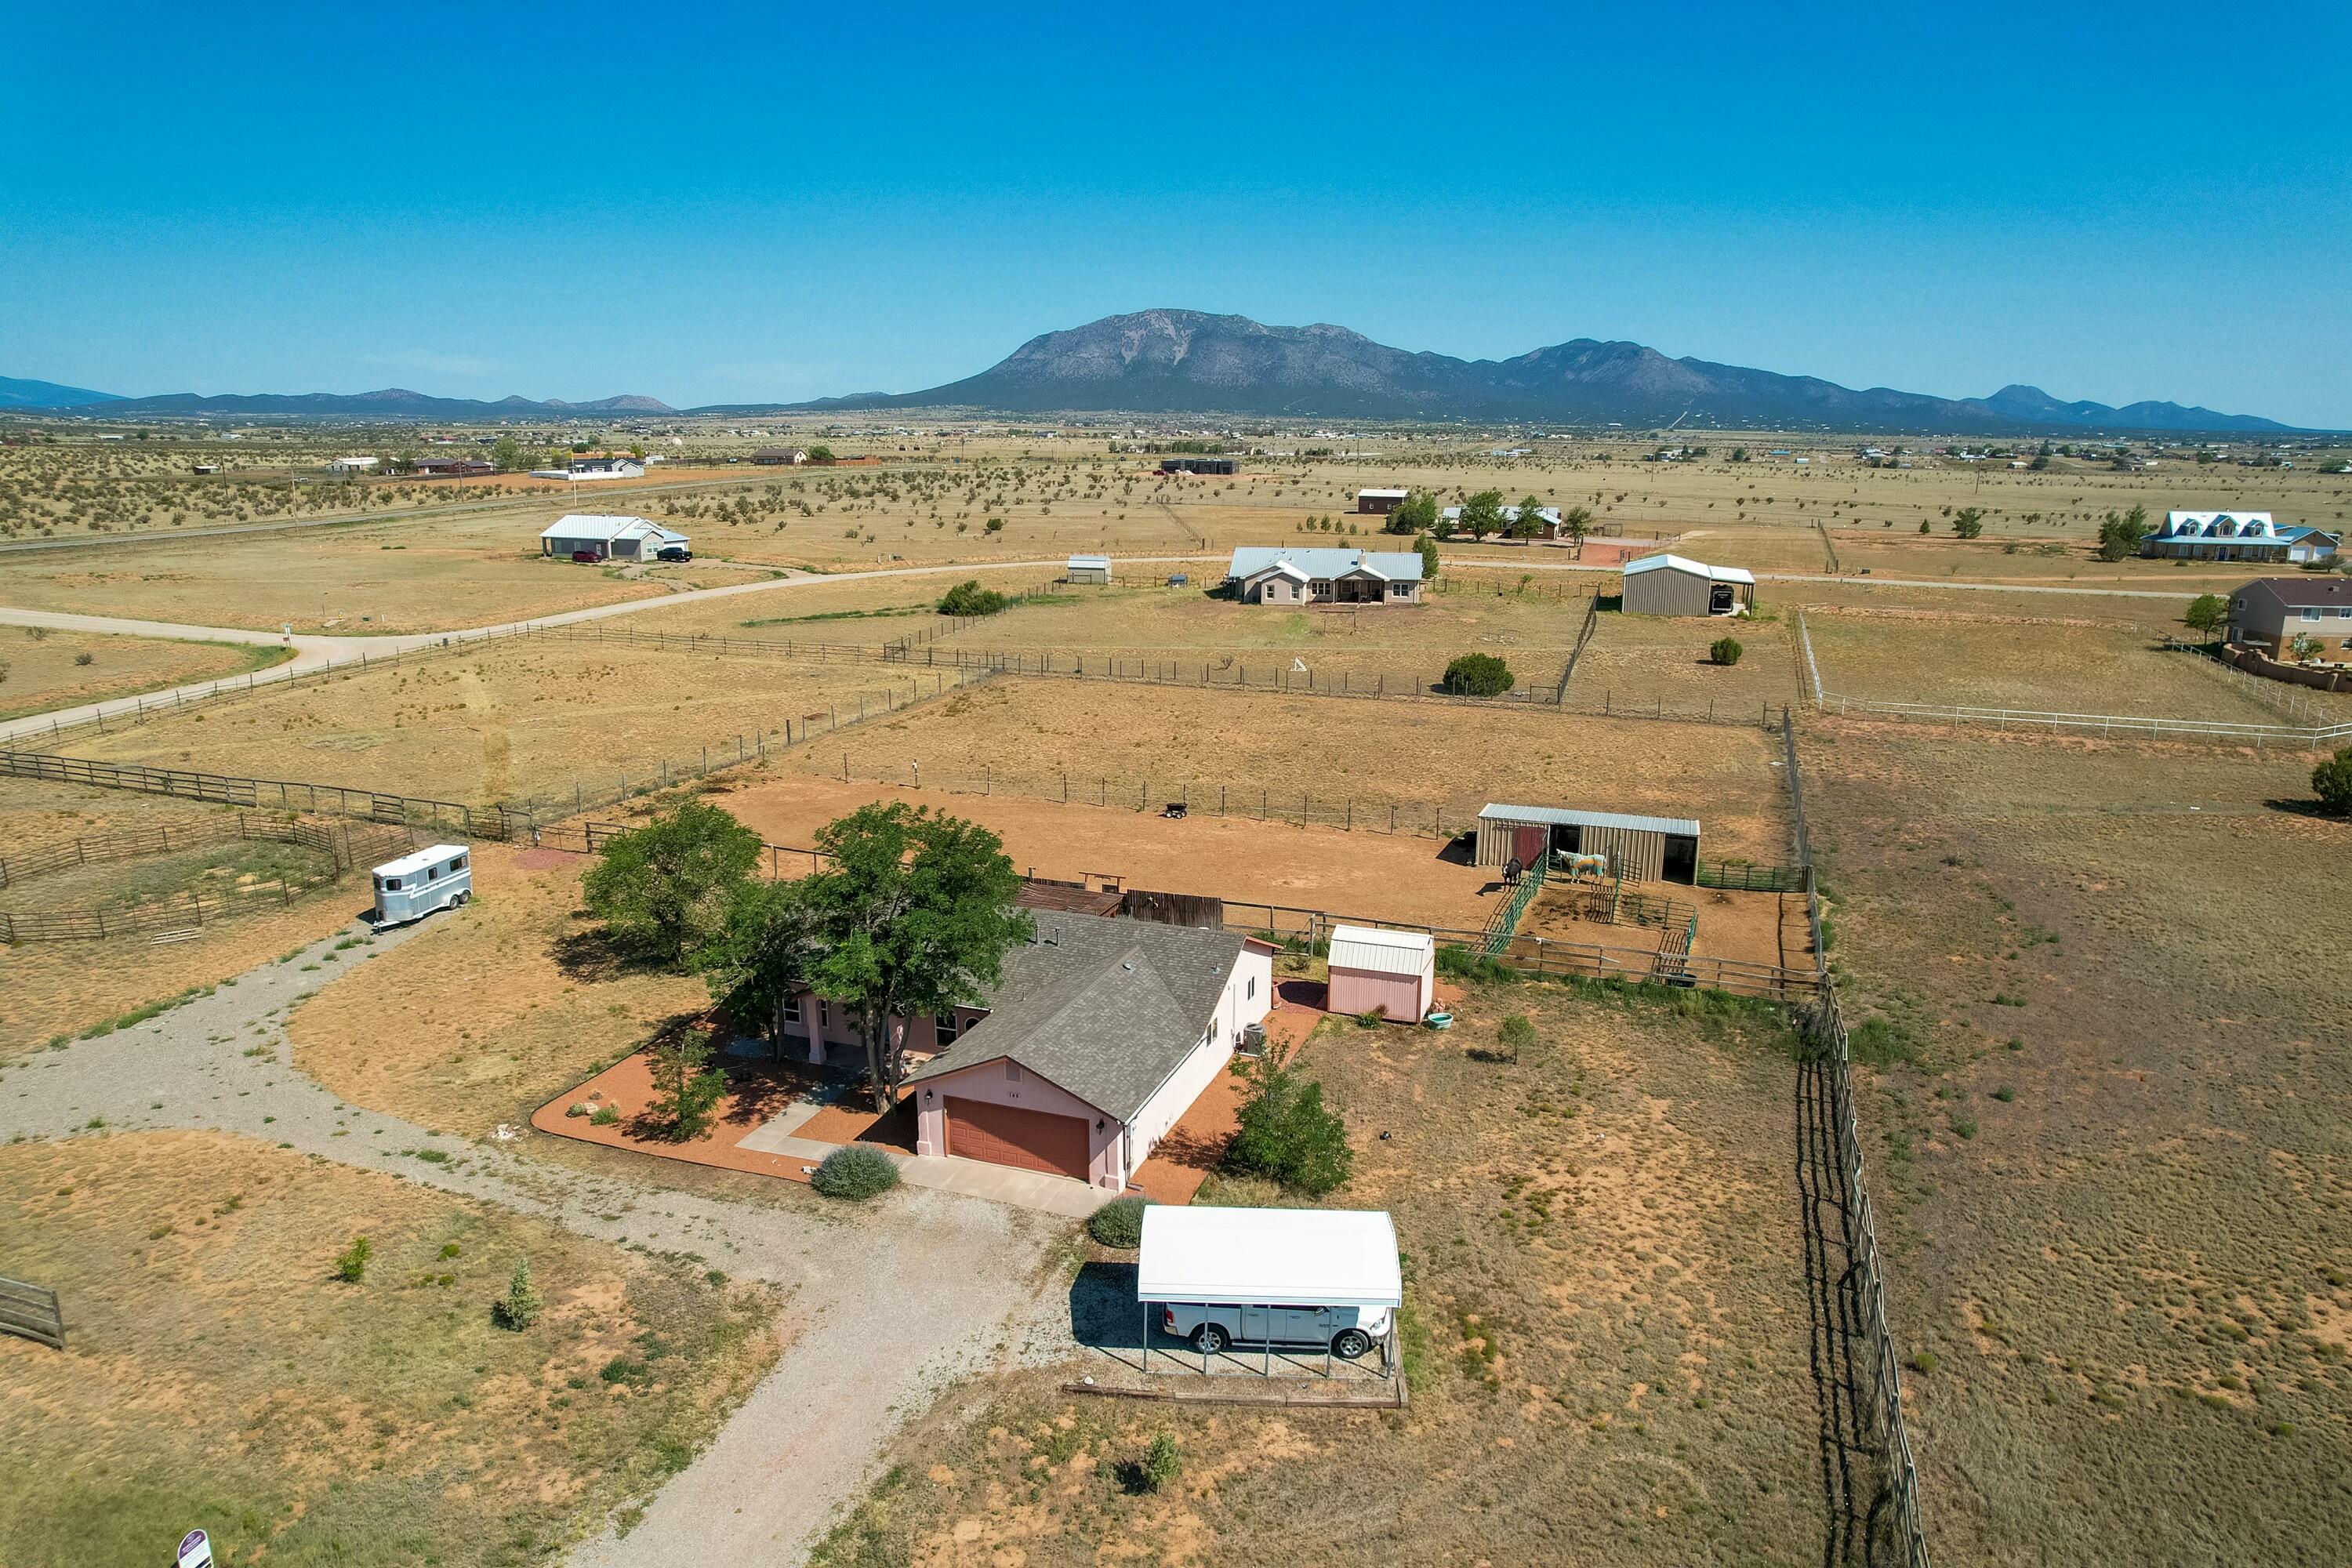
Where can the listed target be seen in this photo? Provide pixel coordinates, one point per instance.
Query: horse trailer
(440, 877)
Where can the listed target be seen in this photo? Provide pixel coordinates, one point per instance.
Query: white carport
(1269, 1258)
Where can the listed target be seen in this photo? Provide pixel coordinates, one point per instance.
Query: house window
(823, 1014)
(943, 1029)
(1012, 1072)
(793, 1008)
(1253, 988)
(2311, 614)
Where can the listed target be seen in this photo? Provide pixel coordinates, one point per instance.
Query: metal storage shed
(1640, 848)
(1255, 1257)
(1088, 569)
(1673, 585)
(1393, 973)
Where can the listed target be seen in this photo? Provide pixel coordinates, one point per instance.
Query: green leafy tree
(1725, 651)
(2305, 645)
(2119, 534)
(968, 598)
(687, 1087)
(820, 455)
(508, 457)
(520, 1307)
(1529, 522)
(1482, 514)
(762, 955)
(2331, 781)
(1287, 1136)
(667, 888)
(2207, 613)
(1739, 454)
(1479, 675)
(1576, 522)
(915, 914)
(1428, 559)
(1417, 514)
(1969, 521)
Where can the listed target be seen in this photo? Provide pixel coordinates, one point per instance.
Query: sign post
(196, 1550)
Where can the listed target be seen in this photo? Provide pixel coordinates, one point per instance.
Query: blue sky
(709, 204)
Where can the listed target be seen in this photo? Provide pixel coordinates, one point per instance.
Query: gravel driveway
(886, 1304)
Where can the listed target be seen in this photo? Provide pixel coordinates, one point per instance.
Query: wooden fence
(31, 1311)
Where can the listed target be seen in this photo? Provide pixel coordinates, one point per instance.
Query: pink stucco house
(1099, 1036)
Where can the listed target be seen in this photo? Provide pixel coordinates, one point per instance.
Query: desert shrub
(968, 598)
(84, 660)
(352, 1266)
(2331, 781)
(1118, 1222)
(1725, 651)
(1479, 675)
(1517, 1033)
(1457, 961)
(1161, 1462)
(519, 1308)
(855, 1173)
(1287, 1136)
(1371, 1019)
(605, 1116)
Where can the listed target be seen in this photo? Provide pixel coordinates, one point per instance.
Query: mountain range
(1191, 363)
(1187, 362)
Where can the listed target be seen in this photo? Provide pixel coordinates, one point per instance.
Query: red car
(586, 557)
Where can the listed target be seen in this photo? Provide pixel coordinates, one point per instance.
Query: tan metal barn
(1673, 585)
(1095, 569)
(1640, 848)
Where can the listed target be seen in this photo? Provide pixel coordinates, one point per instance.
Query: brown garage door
(1009, 1135)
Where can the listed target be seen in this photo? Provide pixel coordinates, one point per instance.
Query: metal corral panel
(1323, 1257)
(1381, 952)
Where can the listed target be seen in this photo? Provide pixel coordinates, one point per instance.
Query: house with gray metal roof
(1325, 576)
(1096, 1041)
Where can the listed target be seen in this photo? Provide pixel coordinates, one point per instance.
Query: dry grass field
(41, 670)
(2108, 1143)
(510, 721)
(1607, 1335)
(1146, 744)
(492, 1010)
(219, 1373)
(2048, 666)
(1635, 660)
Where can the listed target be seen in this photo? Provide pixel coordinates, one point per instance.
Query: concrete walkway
(887, 1304)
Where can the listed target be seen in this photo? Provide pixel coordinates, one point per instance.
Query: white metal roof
(1100, 563)
(1325, 1257)
(418, 860)
(1327, 561)
(603, 525)
(1695, 568)
(1379, 494)
(1682, 826)
(1382, 952)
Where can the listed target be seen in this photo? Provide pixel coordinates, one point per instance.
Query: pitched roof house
(2270, 613)
(1327, 575)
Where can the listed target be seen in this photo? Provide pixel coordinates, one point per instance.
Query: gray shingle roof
(1106, 1009)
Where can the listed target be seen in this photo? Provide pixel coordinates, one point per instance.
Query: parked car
(673, 552)
(1349, 1331)
(586, 557)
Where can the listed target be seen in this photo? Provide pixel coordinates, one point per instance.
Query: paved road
(886, 1307)
(1854, 582)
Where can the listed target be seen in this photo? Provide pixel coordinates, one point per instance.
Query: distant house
(1199, 466)
(2235, 536)
(447, 468)
(771, 457)
(353, 465)
(1379, 503)
(1329, 575)
(2270, 613)
(611, 538)
(1098, 1037)
(1547, 520)
(1091, 568)
(1671, 585)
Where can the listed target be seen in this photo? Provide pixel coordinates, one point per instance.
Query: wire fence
(1823, 1024)
(191, 910)
(2127, 726)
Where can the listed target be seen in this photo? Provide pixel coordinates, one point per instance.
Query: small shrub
(1922, 1361)
(450, 1249)
(1725, 651)
(605, 1116)
(1457, 961)
(1118, 1222)
(1479, 675)
(580, 1108)
(352, 1266)
(519, 1308)
(968, 598)
(1287, 1136)
(1371, 1020)
(84, 660)
(1161, 1462)
(855, 1173)
(2331, 781)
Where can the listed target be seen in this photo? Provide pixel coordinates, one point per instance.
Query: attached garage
(1012, 1135)
(1639, 849)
